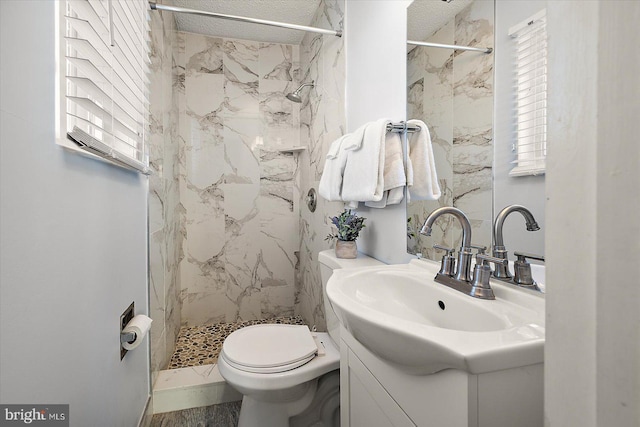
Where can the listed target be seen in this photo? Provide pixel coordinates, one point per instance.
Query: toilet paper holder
(133, 330)
(127, 337)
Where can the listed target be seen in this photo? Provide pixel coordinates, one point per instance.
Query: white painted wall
(73, 253)
(527, 190)
(618, 228)
(375, 38)
(592, 352)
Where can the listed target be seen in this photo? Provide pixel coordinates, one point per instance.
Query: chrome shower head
(295, 95)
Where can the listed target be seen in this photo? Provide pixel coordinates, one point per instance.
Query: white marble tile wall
(228, 239)
(453, 95)
(164, 202)
(322, 120)
(240, 215)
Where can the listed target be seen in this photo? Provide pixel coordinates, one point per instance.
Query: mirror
(453, 92)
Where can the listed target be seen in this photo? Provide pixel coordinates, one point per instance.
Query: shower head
(295, 95)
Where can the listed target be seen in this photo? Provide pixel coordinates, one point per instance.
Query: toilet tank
(329, 262)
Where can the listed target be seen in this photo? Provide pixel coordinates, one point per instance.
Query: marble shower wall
(228, 240)
(453, 95)
(240, 206)
(165, 249)
(322, 120)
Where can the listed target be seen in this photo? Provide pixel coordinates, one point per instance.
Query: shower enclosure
(230, 239)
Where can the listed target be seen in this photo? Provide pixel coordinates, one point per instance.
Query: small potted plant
(348, 226)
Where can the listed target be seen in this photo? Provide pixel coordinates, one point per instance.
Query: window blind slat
(133, 30)
(542, 78)
(122, 131)
(93, 91)
(123, 49)
(125, 108)
(92, 108)
(528, 127)
(137, 15)
(127, 33)
(532, 152)
(122, 122)
(533, 39)
(91, 129)
(132, 97)
(529, 103)
(87, 32)
(127, 77)
(85, 12)
(101, 9)
(87, 51)
(532, 62)
(90, 71)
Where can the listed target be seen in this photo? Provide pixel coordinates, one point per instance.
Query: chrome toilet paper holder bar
(127, 337)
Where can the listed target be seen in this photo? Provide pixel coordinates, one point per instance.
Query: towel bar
(402, 127)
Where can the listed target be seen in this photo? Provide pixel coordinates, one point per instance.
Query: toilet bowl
(287, 374)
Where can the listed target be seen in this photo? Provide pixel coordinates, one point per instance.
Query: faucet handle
(486, 259)
(481, 249)
(448, 263)
(522, 270)
(449, 251)
(523, 255)
(480, 286)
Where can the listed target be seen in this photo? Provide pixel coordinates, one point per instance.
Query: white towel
(421, 169)
(354, 139)
(335, 147)
(380, 203)
(331, 179)
(363, 178)
(395, 195)
(394, 174)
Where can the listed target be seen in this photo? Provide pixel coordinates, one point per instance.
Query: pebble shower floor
(201, 345)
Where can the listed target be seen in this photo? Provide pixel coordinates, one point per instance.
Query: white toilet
(288, 375)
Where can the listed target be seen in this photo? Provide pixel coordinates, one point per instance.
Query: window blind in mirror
(530, 87)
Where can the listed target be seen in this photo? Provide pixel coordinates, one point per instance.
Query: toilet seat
(269, 348)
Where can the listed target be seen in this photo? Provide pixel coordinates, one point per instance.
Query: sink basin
(400, 314)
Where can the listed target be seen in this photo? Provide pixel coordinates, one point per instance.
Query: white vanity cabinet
(375, 393)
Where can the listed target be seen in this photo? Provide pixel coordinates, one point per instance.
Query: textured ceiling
(425, 17)
(299, 12)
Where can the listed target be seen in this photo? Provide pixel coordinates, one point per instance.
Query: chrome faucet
(460, 278)
(464, 256)
(499, 251)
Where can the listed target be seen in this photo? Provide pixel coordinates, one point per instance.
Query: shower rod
(451, 46)
(155, 6)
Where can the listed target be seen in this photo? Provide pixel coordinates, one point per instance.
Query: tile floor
(222, 415)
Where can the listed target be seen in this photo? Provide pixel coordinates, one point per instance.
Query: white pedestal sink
(400, 314)
(417, 353)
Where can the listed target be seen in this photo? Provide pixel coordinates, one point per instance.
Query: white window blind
(530, 71)
(106, 83)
